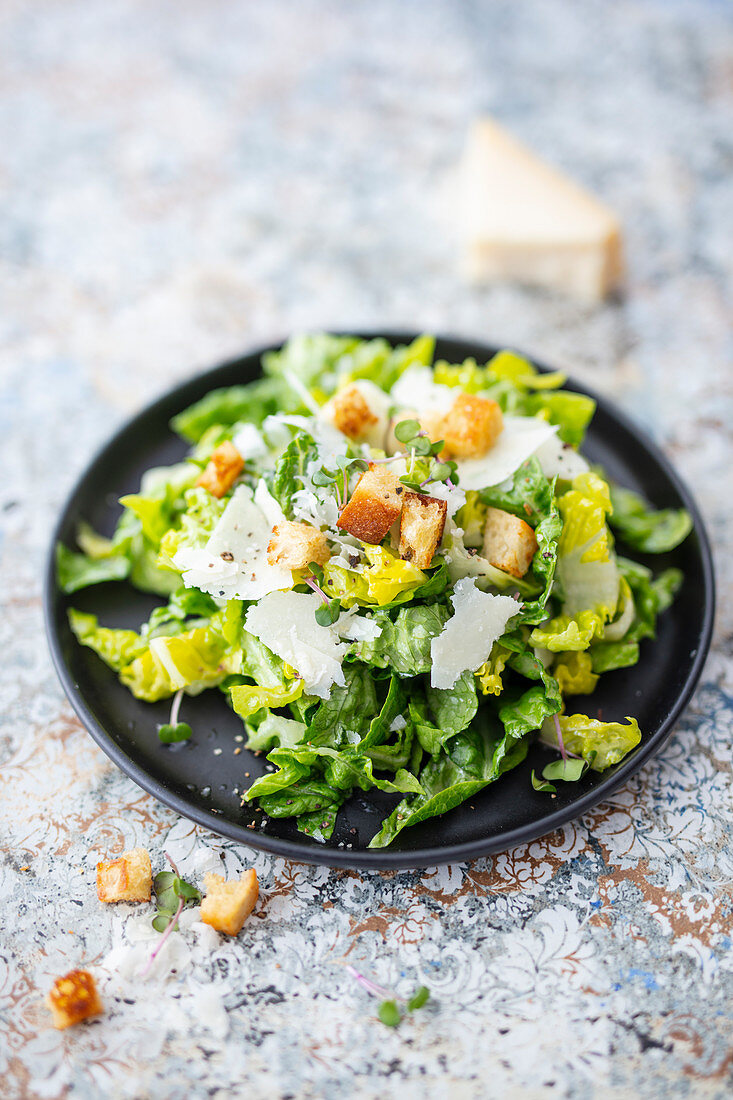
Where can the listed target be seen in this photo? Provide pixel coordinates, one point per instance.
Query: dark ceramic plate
(202, 785)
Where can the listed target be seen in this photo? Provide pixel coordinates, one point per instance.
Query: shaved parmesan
(267, 504)
(358, 628)
(521, 437)
(415, 389)
(454, 497)
(556, 457)
(249, 442)
(465, 641)
(286, 623)
(233, 564)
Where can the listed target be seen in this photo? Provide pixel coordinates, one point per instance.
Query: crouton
(225, 466)
(127, 878)
(421, 528)
(227, 905)
(509, 542)
(351, 413)
(471, 426)
(374, 506)
(293, 545)
(73, 998)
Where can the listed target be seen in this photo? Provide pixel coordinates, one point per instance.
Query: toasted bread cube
(374, 506)
(352, 414)
(293, 545)
(471, 426)
(509, 542)
(227, 905)
(73, 998)
(421, 528)
(127, 878)
(225, 466)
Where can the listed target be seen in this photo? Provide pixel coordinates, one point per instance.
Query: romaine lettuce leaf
(225, 407)
(602, 744)
(587, 572)
(386, 580)
(644, 528)
(75, 571)
(453, 708)
(575, 674)
(247, 700)
(194, 525)
(467, 763)
(273, 731)
(117, 648)
(321, 361)
(289, 471)
(404, 644)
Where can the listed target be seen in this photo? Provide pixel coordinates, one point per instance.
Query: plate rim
(383, 859)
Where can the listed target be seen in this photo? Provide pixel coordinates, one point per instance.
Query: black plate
(202, 785)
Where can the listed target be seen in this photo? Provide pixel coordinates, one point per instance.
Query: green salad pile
(397, 571)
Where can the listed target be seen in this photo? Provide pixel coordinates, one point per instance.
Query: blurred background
(181, 181)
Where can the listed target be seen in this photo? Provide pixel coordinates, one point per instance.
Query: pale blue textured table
(182, 181)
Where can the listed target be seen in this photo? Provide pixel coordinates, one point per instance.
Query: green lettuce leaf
(194, 524)
(404, 644)
(587, 572)
(273, 732)
(467, 763)
(225, 407)
(602, 744)
(319, 824)
(247, 700)
(321, 361)
(651, 596)
(453, 709)
(574, 673)
(643, 527)
(291, 466)
(76, 571)
(117, 648)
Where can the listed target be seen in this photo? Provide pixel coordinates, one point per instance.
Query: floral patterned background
(180, 181)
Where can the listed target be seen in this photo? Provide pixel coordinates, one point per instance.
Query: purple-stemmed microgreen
(558, 733)
(391, 1008)
(330, 609)
(173, 730)
(172, 894)
(337, 475)
(419, 446)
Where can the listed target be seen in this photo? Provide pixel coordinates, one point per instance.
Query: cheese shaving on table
(465, 641)
(233, 564)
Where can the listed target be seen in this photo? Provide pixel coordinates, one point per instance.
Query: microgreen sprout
(560, 742)
(173, 730)
(338, 476)
(330, 610)
(542, 784)
(418, 445)
(391, 1009)
(172, 894)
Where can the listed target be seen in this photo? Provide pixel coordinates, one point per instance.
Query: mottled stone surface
(180, 181)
